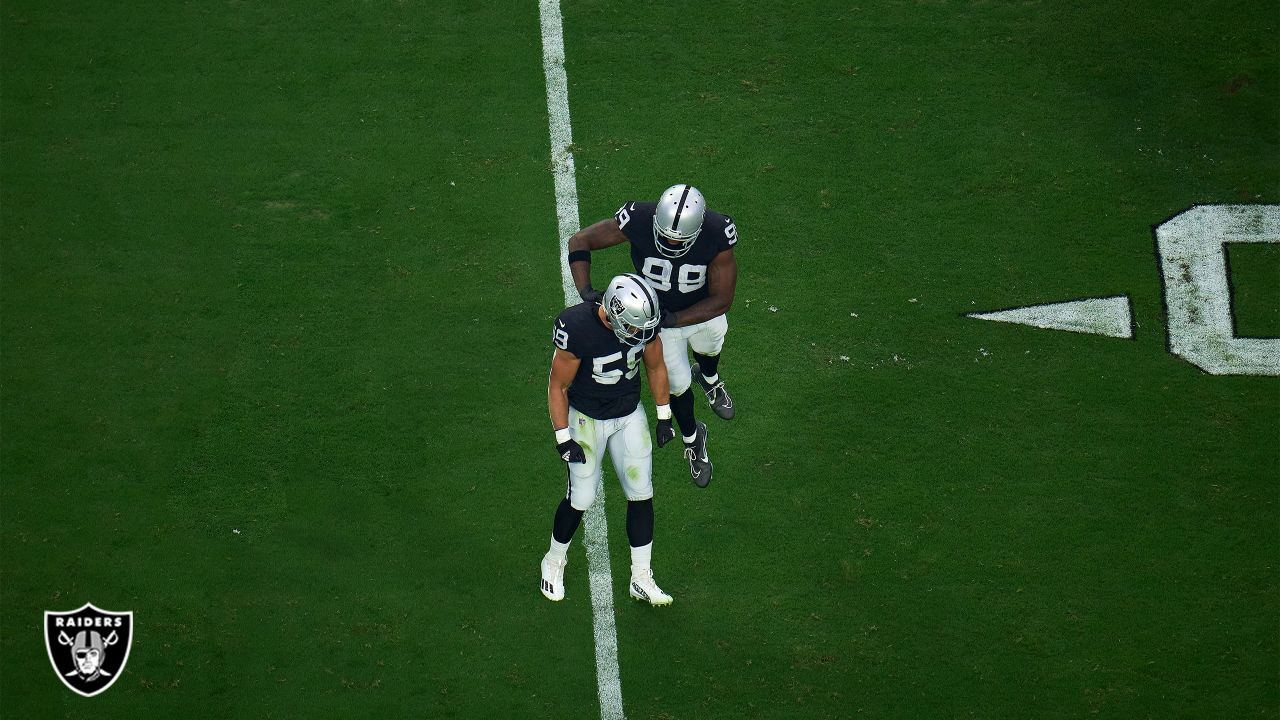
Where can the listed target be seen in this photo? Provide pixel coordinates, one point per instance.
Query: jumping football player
(593, 396)
(686, 252)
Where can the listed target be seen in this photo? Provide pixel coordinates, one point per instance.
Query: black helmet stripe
(675, 224)
(653, 299)
(648, 291)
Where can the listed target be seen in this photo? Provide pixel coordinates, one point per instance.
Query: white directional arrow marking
(1110, 316)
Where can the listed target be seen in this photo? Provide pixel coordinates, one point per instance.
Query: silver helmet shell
(631, 306)
(678, 219)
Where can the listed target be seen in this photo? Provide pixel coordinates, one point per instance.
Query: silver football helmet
(678, 219)
(631, 307)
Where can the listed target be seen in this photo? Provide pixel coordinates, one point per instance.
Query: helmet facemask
(670, 244)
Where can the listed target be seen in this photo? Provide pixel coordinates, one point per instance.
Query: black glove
(668, 319)
(570, 451)
(591, 295)
(666, 433)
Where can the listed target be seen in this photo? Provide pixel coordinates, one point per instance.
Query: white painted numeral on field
(1196, 288)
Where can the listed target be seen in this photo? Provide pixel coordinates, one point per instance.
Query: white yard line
(596, 526)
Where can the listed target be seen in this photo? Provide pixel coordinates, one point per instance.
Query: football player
(593, 396)
(686, 252)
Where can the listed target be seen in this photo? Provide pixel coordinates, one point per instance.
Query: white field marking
(1110, 316)
(1197, 291)
(596, 543)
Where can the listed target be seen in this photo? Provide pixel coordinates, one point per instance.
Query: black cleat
(696, 453)
(717, 396)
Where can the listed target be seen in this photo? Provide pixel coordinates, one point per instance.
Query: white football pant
(705, 338)
(627, 439)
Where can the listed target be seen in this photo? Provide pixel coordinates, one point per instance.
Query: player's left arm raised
(655, 367)
(722, 281)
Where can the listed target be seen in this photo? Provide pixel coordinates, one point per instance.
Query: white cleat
(553, 578)
(644, 588)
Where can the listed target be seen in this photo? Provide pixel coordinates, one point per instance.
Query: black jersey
(681, 281)
(608, 381)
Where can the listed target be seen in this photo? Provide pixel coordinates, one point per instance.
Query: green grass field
(277, 285)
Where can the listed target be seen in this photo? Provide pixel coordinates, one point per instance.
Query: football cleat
(643, 588)
(553, 578)
(696, 453)
(717, 396)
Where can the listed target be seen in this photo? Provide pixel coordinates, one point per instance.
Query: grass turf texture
(1255, 297)
(290, 271)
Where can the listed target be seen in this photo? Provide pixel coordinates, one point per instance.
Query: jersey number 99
(658, 272)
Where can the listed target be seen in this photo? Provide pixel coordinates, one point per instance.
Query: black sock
(640, 522)
(566, 522)
(708, 364)
(682, 408)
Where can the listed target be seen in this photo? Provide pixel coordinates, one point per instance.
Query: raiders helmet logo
(88, 646)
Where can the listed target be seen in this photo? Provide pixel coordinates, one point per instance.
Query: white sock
(558, 550)
(713, 379)
(641, 557)
(689, 438)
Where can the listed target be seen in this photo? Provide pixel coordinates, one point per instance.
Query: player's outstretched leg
(695, 451)
(711, 384)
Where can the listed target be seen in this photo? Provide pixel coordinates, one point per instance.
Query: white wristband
(562, 436)
(664, 412)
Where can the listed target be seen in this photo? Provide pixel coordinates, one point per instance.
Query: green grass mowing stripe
(1254, 270)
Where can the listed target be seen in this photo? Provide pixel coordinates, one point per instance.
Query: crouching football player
(593, 396)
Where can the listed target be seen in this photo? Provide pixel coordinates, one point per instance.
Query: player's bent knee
(581, 497)
(678, 381)
(710, 338)
(711, 346)
(583, 478)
